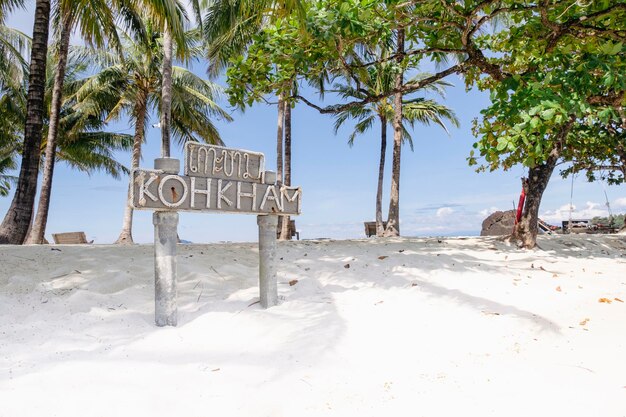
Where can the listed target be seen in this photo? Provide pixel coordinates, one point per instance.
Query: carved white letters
(206, 192)
(220, 193)
(172, 191)
(251, 195)
(274, 197)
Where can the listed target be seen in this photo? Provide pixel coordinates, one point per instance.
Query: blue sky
(439, 193)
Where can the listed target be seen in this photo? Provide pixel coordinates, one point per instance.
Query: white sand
(444, 327)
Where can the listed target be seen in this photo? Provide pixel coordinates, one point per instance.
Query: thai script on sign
(212, 161)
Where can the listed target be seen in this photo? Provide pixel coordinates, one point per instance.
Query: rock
(499, 223)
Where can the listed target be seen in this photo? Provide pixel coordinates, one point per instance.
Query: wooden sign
(202, 160)
(156, 190)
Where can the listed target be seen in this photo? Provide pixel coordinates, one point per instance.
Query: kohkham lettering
(216, 179)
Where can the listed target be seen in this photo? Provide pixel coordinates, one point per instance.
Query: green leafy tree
(567, 87)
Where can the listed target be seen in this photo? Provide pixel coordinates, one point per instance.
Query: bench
(292, 232)
(70, 238)
(370, 228)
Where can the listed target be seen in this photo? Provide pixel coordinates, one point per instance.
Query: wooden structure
(370, 228)
(70, 238)
(292, 232)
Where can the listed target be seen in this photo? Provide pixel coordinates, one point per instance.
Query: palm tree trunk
(284, 230)
(380, 229)
(279, 139)
(17, 219)
(393, 222)
(166, 93)
(279, 149)
(126, 236)
(38, 230)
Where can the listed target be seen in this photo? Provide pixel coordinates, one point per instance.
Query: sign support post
(268, 224)
(215, 179)
(165, 240)
(268, 289)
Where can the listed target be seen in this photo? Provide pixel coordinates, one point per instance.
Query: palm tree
(77, 135)
(377, 80)
(96, 23)
(166, 88)
(12, 107)
(229, 27)
(133, 87)
(15, 225)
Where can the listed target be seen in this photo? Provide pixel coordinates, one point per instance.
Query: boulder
(499, 223)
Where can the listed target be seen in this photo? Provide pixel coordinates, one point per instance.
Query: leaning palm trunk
(17, 219)
(38, 230)
(166, 93)
(284, 229)
(393, 222)
(279, 147)
(380, 228)
(126, 236)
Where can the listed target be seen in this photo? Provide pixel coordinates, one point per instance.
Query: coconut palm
(77, 135)
(12, 106)
(82, 143)
(133, 87)
(377, 80)
(15, 225)
(18, 217)
(13, 69)
(95, 21)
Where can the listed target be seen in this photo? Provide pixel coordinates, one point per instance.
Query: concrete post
(165, 240)
(268, 289)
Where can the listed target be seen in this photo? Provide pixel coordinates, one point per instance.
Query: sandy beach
(387, 327)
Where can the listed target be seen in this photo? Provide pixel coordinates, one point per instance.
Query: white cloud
(444, 212)
(563, 213)
(486, 212)
(620, 203)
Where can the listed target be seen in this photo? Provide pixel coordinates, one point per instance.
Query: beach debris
(558, 288)
(57, 249)
(617, 299)
(584, 322)
(401, 250)
(293, 282)
(347, 266)
(605, 300)
(382, 257)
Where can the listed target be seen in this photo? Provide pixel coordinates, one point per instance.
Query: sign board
(156, 190)
(202, 160)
